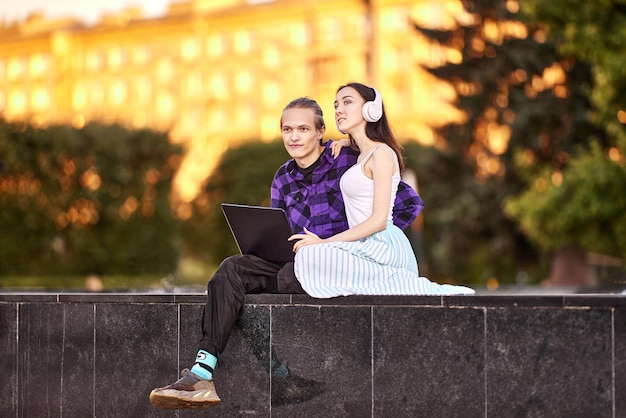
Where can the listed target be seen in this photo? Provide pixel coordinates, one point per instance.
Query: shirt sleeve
(407, 206)
(276, 197)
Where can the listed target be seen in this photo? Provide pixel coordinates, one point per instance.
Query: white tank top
(358, 192)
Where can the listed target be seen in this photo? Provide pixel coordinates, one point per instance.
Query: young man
(307, 188)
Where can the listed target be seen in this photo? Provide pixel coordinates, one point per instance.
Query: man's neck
(309, 160)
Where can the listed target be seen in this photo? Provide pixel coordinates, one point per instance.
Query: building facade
(217, 72)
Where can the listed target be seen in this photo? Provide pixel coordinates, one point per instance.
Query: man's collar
(324, 158)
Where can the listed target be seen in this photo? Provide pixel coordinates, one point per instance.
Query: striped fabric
(381, 264)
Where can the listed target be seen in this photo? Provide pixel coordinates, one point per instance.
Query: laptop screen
(260, 231)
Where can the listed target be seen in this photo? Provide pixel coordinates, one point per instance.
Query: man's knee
(224, 273)
(286, 281)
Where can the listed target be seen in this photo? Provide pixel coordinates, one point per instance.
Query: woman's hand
(336, 146)
(308, 238)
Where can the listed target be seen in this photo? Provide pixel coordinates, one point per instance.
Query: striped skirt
(381, 264)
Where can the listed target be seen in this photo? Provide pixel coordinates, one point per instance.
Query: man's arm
(407, 206)
(277, 199)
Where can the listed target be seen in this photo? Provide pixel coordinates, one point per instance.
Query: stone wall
(83, 355)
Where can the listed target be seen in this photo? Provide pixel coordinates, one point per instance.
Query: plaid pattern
(318, 207)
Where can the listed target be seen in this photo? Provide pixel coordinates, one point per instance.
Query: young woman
(372, 257)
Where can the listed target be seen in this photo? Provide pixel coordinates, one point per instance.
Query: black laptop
(260, 231)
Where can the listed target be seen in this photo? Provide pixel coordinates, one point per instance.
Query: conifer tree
(522, 101)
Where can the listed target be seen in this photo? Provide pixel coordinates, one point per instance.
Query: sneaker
(188, 392)
(292, 389)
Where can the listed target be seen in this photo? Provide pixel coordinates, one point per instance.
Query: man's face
(300, 136)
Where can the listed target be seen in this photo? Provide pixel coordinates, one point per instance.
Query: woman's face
(348, 105)
(300, 136)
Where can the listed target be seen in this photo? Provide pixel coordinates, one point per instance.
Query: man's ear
(322, 131)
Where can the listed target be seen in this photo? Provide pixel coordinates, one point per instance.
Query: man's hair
(307, 103)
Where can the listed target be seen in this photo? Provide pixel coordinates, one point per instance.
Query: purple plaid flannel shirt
(318, 207)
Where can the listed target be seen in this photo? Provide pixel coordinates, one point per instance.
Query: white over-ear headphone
(373, 110)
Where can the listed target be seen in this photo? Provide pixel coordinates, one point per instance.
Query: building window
(299, 34)
(269, 127)
(218, 86)
(39, 64)
(330, 31)
(192, 84)
(189, 49)
(94, 60)
(355, 28)
(242, 42)
(394, 19)
(79, 97)
(165, 105)
(396, 59)
(217, 117)
(142, 90)
(215, 46)
(140, 55)
(17, 102)
(244, 116)
(271, 56)
(96, 93)
(271, 93)
(40, 99)
(115, 58)
(165, 70)
(16, 68)
(190, 120)
(432, 14)
(117, 93)
(244, 81)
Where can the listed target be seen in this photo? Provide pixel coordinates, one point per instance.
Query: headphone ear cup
(373, 110)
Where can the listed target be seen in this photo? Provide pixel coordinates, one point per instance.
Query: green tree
(520, 97)
(581, 205)
(591, 32)
(585, 208)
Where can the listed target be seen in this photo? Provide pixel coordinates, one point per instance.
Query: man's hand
(308, 238)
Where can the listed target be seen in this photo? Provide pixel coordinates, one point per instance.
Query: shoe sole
(163, 401)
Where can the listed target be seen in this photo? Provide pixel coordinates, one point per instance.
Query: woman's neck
(364, 144)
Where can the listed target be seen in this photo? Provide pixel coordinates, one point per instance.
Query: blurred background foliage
(538, 165)
(521, 100)
(243, 175)
(89, 201)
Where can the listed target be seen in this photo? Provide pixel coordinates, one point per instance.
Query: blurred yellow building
(217, 72)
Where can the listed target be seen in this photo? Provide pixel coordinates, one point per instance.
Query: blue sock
(205, 364)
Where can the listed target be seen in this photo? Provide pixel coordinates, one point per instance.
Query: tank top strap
(367, 157)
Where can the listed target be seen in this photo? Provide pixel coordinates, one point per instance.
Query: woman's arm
(380, 167)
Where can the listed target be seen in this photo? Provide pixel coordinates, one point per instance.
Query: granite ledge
(474, 301)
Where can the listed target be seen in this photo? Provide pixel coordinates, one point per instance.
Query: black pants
(235, 277)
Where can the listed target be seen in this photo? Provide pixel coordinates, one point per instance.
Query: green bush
(86, 201)
(584, 208)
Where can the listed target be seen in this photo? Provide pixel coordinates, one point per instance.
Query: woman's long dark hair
(379, 131)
